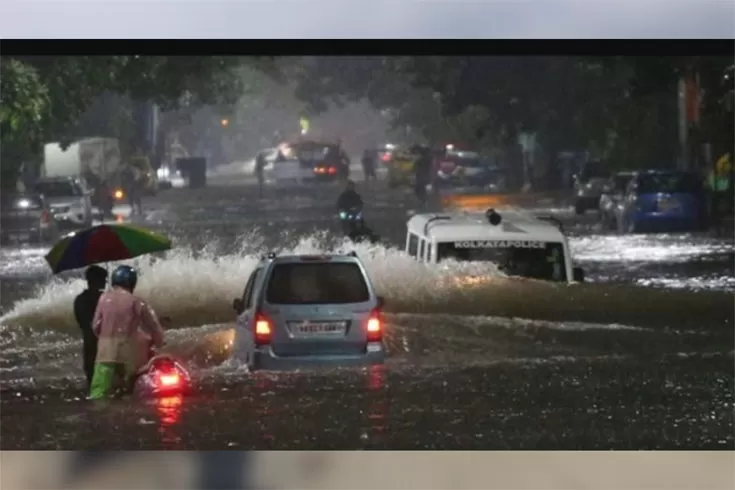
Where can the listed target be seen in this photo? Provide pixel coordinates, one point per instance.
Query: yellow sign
(304, 124)
(723, 165)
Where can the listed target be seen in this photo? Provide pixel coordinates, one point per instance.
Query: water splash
(196, 287)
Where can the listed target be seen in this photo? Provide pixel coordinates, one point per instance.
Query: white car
(69, 199)
(518, 243)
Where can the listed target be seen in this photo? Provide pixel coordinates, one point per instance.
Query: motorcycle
(162, 375)
(354, 227)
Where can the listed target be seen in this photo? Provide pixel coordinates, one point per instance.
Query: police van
(520, 244)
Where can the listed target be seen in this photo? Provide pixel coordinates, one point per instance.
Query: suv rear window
(317, 283)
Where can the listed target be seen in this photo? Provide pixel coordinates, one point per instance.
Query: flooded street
(639, 358)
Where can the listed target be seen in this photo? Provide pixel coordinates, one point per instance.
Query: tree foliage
(44, 96)
(623, 106)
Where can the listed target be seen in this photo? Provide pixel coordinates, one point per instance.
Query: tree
(625, 106)
(44, 96)
(24, 101)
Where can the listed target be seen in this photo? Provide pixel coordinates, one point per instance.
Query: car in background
(467, 169)
(26, 218)
(612, 197)
(385, 153)
(663, 201)
(169, 177)
(589, 184)
(69, 199)
(303, 161)
(302, 310)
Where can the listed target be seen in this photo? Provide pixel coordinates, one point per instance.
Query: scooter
(354, 227)
(162, 375)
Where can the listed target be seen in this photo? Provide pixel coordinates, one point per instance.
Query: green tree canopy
(44, 96)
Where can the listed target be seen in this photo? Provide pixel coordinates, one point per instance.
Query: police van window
(536, 260)
(413, 245)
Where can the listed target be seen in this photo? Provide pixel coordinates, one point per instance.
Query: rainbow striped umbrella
(104, 243)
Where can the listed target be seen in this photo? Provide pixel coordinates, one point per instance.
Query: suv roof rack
(352, 254)
(269, 255)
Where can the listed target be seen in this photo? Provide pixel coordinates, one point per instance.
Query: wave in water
(196, 287)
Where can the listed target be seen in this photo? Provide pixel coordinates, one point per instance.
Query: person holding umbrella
(119, 313)
(84, 307)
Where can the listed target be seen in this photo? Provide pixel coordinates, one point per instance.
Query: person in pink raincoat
(118, 321)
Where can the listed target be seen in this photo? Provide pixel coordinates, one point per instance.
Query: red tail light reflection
(378, 409)
(169, 409)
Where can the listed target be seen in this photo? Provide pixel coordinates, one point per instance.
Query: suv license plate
(331, 328)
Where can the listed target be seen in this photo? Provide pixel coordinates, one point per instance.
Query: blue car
(467, 169)
(663, 201)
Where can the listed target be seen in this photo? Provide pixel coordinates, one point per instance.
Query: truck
(95, 160)
(92, 158)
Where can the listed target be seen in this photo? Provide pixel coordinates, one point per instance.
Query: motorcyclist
(116, 323)
(349, 198)
(84, 308)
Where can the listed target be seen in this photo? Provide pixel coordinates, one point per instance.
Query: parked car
(468, 169)
(69, 199)
(612, 197)
(588, 186)
(26, 218)
(663, 201)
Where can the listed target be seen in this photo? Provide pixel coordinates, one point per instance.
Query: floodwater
(640, 357)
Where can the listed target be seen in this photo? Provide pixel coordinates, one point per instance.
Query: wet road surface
(467, 378)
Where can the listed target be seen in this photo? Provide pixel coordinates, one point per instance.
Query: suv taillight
(262, 331)
(375, 326)
(45, 218)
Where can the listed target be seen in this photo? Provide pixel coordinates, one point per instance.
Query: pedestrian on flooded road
(84, 308)
(116, 323)
(422, 169)
(260, 164)
(368, 164)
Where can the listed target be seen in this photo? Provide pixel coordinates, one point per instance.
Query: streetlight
(224, 122)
